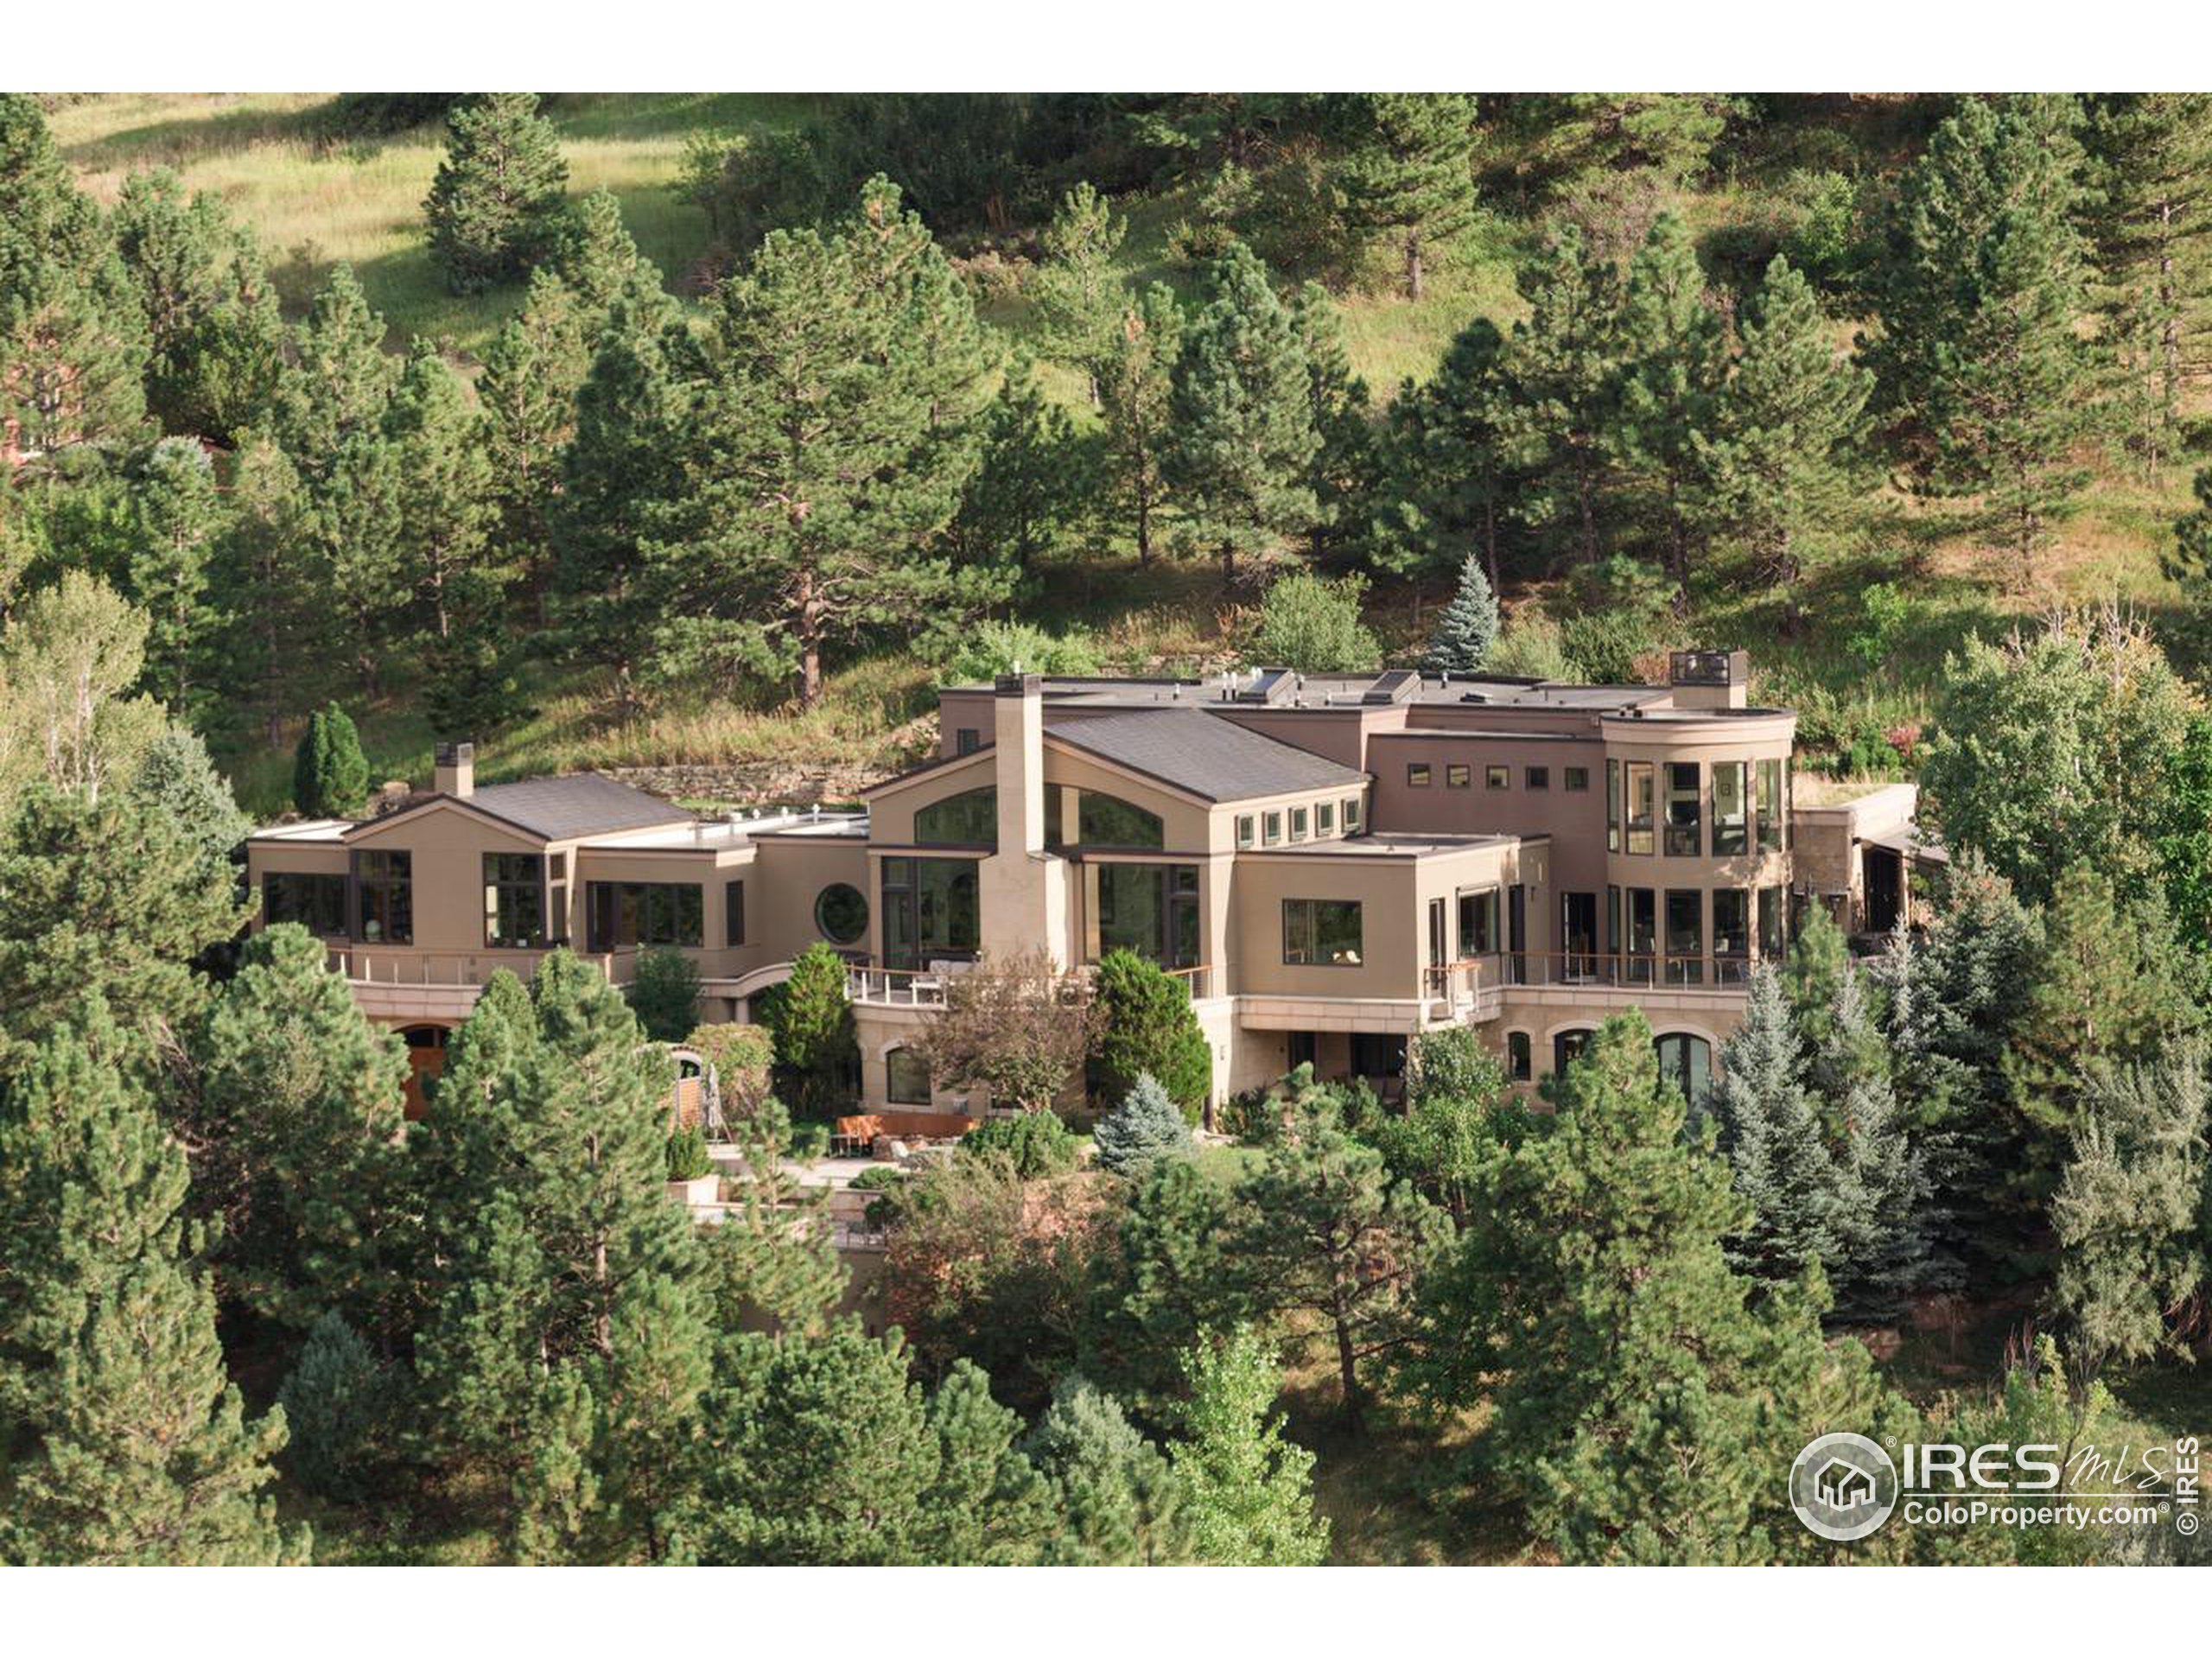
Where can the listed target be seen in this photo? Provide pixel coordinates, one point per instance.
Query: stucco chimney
(455, 771)
(1022, 888)
(1017, 713)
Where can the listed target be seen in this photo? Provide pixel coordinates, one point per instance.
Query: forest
(1907, 393)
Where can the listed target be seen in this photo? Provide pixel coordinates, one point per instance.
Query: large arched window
(906, 1078)
(1109, 821)
(967, 820)
(1685, 1061)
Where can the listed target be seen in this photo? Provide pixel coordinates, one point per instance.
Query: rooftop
(1210, 759)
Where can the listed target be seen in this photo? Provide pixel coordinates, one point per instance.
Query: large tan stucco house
(1332, 863)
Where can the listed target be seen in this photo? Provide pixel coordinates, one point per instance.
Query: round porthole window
(840, 913)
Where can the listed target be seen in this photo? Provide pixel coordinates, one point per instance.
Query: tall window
(1639, 805)
(1771, 916)
(1685, 826)
(315, 902)
(1772, 833)
(514, 901)
(906, 1078)
(1518, 1061)
(930, 910)
(1730, 807)
(1731, 933)
(733, 914)
(1567, 1047)
(1152, 909)
(622, 915)
(1642, 932)
(966, 820)
(1685, 936)
(1322, 932)
(1109, 821)
(1612, 806)
(1686, 1062)
(1478, 923)
(385, 882)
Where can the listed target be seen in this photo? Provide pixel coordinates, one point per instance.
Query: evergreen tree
(988, 1506)
(1980, 358)
(1409, 167)
(1031, 482)
(1783, 462)
(1343, 474)
(1671, 340)
(1166, 1282)
(177, 780)
(180, 521)
(2127, 1211)
(1078, 294)
(72, 354)
(1241, 415)
(446, 503)
(495, 205)
(1248, 1492)
(835, 431)
(265, 575)
(597, 259)
(1786, 1172)
(1565, 364)
(1136, 392)
(1467, 628)
(1883, 1223)
(1148, 1027)
(1452, 461)
(473, 667)
(1121, 1503)
(330, 775)
(773, 1257)
(533, 370)
(811, 1017)
(1145, 1127)
(40, 202)
(339, 382)
(342, 1405)
(132, 1446)
(2184, 833)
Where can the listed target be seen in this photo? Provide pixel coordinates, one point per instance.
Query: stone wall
(792, 782)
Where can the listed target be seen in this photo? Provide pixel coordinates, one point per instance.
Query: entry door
(1885, 889)
(1578, 933)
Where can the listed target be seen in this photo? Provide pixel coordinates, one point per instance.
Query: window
(1109, 821)
(1298, 823)
(625, 914)
(931, 910)
(315, 902)
(840, 913)
(1324, 819)
(1638, 774)
(1352, 815)
(1274, 829)
(1685, 811)
(1247, 829)
(1536, 778)
(733, 914)
(385, 883)
(1686, 1062)
(1729, 809)
(1643, 933)
(514, 901)
(966, 820)
(1612, 806)
(1377, 1054)
(1417, 774)
(1575, 780)
(1458, 777)
(966, 739)
(1685, 936)
(1321, 933)
(1497, 777)
(1770, 923)
(1152, 909)
(1771, 835)
(1731, 932)
(1567, 1047)
(1519, 1064)
(1478, 923)
(906, 1078)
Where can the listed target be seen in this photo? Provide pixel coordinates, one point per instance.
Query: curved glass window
(967, 820)
(840, 913)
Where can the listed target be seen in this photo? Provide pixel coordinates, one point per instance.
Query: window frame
(395, 882)
(1458, 774)
(1731, 834)
(1520, 1056)
(1574, 780)
(892, 1092)
(1768, 788)
(332, 905)
(1417, 774)
(1640, 835)
(1248, 830)
(1475, 917)
(1497, 776)
(1684, 805)
(960, 809)
(1302, 933)
(733, 912)
(502, 889)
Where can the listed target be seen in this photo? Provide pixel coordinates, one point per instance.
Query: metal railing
(400, 965)
(1474, 978)
(924, 988)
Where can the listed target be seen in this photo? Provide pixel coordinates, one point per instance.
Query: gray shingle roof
(1203, 754)
(585, 804)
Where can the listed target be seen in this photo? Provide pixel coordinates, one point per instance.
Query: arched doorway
(426, 1057)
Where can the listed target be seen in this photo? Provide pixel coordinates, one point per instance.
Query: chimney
(1018, 712)
(455, 770)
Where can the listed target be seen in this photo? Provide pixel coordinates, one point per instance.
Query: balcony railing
(1478, 978)
(924, 988)
(399, 965)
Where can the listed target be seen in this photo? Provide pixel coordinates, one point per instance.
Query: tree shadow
(182, 140)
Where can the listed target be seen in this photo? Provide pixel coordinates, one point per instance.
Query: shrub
(330, 775)
(1035, 1144)
(1530, 647)
(342, 1405)
(743, 1058)
(809, 1140)
(1313, 626)
(1148, 1027)
(665, 995)
(1254, 1117)
(1145, 1126)
(995, 648)
(686, 1155)
(810, 1019)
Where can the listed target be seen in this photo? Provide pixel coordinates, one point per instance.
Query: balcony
(1478, 986)
(901, 987)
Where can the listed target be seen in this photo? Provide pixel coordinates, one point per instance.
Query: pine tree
(265, 572)
(1565, 367)
(1409, 170)
(496, 202)
(1784, 463)
(1247, 1491)
(1452, 461)
(339, 382)
(177, 780)
(1146, 1126)
(179, 519)
(40, 202)
(836, 432)
(1121, 1503)
(597, 260)
(1135, 395)
(1148, 1028)
(132, 1444)
(330, 776)
(1467, 628)
(2127, 1208)
(1344, 469)
(1671, 341)
(446, 503)
(1031, 482)
(72, 354)
(533, 370)
(2184, 837)
(1241, 415)
(1786, 1171)
(988, 1506)
(811, 1015)
(1078, 294)
(342, 1405)
(474, 668)
(1166, 1283)
(1979, 357)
